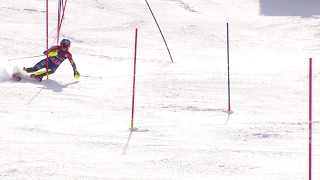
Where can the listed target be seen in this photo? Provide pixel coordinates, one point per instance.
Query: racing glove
(76, 74)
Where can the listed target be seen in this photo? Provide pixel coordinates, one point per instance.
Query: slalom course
(237, 99)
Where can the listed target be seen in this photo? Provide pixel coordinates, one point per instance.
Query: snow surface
(67, 128)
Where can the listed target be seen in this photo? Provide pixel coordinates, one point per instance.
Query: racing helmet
(65, 43)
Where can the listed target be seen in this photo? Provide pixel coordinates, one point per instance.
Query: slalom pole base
(133, 129)
(229, 112)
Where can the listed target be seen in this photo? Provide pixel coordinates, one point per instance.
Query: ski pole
(25, 57)
(95, 77)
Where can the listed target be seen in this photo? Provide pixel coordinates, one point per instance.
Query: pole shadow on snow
(303, 8)
(127, 144)
(35, 95)
(227, 119)
(132, 131)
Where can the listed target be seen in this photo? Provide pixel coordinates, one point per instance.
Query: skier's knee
(52, 70)
(36, 67)
(41, 64)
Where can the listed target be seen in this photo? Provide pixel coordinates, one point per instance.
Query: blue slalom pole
(160, 31)
(229, 104)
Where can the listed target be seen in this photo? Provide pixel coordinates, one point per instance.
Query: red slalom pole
(134, 77)
(47, 37)
(58, 25)
(62, 7)
(310, 118)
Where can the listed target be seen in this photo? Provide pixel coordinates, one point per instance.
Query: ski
(16, 77)
(21, 74)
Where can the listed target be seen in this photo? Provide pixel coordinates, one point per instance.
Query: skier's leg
(40, 65)
(30, 69)
(44, 72)
(51, 70)
(40, 74)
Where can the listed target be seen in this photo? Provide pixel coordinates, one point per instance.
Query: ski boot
(29, 70)
(16, 77)
(37, 78)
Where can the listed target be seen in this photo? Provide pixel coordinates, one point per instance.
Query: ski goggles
(64, 46)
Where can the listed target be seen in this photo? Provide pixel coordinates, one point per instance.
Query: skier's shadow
(52, 85)
(56, 86)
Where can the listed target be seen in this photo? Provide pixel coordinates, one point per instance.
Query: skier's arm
(73, 65)
(76, 74)
(52, 51)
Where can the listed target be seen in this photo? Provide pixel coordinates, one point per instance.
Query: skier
(57, 54)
